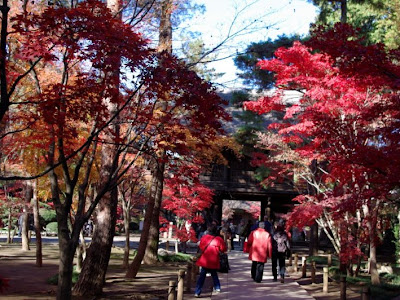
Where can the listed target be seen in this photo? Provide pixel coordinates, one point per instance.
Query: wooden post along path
(326, 280)
(171, 290)
(296, 262)
(181, 280)
(304, 267)
(189, 272)
(313, 270)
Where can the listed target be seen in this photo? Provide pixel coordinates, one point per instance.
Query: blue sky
(274, 18)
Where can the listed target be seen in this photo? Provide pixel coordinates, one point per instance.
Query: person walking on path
(226, 234)
(260, 249)
(241, 230)
(280, 250)
(210, 246)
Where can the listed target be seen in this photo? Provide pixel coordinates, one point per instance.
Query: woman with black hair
(211, 244)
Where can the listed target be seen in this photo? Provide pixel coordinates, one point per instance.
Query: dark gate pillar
(216, 209)
(266, 209)
(263, 207)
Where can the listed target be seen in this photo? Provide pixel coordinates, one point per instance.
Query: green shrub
(52, 227)
(319, 260)
(384, 291)
(53, 280)
(393, 279)
(177, 257)
(323, 260)
(49, 215)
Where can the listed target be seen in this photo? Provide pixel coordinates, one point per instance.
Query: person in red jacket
(211, 244)
(260, 249)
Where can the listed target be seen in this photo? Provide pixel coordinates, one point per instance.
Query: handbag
(200, 253)
(223, 263)
(245, 247)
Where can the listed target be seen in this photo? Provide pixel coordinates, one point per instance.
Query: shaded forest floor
(27, 281)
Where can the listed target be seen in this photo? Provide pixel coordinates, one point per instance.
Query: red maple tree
(342, 130)
(186, 197)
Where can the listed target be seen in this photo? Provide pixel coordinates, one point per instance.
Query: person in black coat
(280, 250)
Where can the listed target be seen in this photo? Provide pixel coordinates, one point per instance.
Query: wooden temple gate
(236, 181)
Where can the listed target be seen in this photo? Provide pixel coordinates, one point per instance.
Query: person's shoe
(282, 280)
(275, 279)
(216, 290)
(197, 295)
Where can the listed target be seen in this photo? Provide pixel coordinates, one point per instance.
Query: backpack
(281, 242)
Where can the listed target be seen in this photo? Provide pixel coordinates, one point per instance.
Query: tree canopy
(246, 62)
(340, 136)
(378, 20)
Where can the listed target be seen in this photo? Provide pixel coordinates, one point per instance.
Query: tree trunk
(313, 245)
(398, 240)
(164, 44)
(67, 252)
(165, 30)
(358, 267)
(127, 248)
(92, 278)
(313, 249)
(372, 264)
(25, 221)
(80, 252)
(4, 93)
(343, 7)
(371, 225)
(9, 226)
(13, 234)
(67, 244)
(137, 261)
(358, 232)
(36, 220)
(151, 254)
(326, 223)
(127, 219)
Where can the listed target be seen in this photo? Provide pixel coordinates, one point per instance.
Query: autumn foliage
(79, 80)
(186, 197)
(340, 138)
